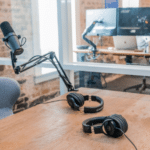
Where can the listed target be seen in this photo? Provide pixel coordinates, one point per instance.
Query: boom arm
(88, 30)
(36, 60)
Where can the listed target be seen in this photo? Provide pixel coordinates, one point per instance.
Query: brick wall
(144, 3)
(18, 14)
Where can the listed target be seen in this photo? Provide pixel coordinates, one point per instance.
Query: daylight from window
(130, 3)
(48, 25)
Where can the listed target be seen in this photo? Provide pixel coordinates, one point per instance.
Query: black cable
(30, 60)
(7, 45)
(21, 42)
(38, 56)
(121, 131)
(24, 41)
(127, 138)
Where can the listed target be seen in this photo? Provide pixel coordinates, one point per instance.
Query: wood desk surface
(106, 51)
(55, 126)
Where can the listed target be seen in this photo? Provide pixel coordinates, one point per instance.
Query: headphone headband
(97, 108)
(91, 121)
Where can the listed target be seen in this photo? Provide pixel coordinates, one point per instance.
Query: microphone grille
(6, 28)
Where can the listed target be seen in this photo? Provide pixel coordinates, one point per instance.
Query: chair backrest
(9, 93)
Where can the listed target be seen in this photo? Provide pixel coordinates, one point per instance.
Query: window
(130, 3)
(67, 42)
(48, 29)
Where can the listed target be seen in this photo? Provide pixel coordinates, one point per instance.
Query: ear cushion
(71, 101)
(109, 127)
(75, 98)
(120, 123)
(79, 99)
(123, 123)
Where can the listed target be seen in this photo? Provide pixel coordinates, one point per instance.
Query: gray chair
(9, 93)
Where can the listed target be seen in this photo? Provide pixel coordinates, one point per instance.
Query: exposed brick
(2, 68)
(37, 94)
(26, 99)
(23, 94)
(18, 110)
(20, 100)
(52, 95)
(37, 101)
(55, 87)
(45, 91)
(25, 105)
(22, 81)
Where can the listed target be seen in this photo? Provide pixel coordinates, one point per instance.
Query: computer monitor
(109, 25)
(125, 42)
(133, 21)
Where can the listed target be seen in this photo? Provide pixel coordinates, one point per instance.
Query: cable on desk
(128, 138)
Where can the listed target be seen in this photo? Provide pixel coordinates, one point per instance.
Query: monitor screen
(109, 25)
(133, 21)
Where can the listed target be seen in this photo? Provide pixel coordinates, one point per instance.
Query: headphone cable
(128, 138)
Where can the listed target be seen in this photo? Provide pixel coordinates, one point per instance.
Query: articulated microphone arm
(36, 60)
(88, 30)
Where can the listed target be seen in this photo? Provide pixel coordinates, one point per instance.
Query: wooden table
(113, 51)
(55, 126)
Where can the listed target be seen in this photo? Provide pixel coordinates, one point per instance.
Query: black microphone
(11, 38)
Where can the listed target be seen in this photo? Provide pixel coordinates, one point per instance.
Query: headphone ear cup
(75, 101)
(80, 98)
(124, 123)
(71, 99)
(71, 102)
(120, 123)
(110, 127)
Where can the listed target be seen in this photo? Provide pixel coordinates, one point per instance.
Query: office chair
(9, 93)
(143, 86)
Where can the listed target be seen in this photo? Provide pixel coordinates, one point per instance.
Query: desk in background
(106, 51)
(55, 126)
(113, 51)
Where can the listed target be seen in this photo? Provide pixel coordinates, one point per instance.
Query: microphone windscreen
(6, 28)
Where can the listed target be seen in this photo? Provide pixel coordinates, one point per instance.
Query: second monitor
(107, 16)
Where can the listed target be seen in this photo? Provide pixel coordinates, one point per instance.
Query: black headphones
(76, 100)
(114, 125)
